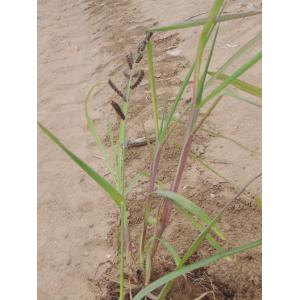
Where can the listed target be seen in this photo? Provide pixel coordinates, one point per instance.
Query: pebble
(174, 52)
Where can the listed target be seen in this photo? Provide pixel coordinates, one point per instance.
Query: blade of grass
(167, 246)
(204, 74)
(163, 119)
(235, 56)
(232, 77)
(230, 93)
(205, 262)
(190, 218)
(153, 88)
(201, 21)
(179, 96)
(122, 248)
(196, 244)
(105, 185)
(240, 84)
(189, 206)
(207, 28)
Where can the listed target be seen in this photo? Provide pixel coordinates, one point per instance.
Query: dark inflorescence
(139, 79)
(113, 86)
(118, 109)
(129, 59)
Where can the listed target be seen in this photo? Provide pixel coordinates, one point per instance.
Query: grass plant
(119, 187)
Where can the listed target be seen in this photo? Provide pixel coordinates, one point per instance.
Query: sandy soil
(82, 42)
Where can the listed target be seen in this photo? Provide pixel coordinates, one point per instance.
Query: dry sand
(83, 42)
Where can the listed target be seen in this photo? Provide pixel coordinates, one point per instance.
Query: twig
(138, 142)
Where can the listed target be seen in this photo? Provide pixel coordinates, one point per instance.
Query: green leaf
(106, 186)
(240, 84)
(252, 61)
(190, 207)
(179, 96)
(168, 247)
(230, 93)
(235, 56)
(189, 268)
(204, 74)
(193, 249)
(201, 21)
(189, 217)
(163, 119)
(153, 87)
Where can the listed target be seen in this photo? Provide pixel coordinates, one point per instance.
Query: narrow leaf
(189, 217)
(252, 61)
(190, 207)
(240, 84)
(230, 93)
(202, 21)
(235, 56)
(169, 248)
(189, 268)
(109, 189)
(153, 87)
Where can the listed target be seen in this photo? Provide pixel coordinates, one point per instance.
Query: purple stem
(167, 206)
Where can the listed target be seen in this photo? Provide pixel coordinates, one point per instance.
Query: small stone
(212, 195)
(174, 52)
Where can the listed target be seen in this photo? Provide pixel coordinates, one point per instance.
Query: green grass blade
(232, 77)
(235, 56)
(191, 207)
(163, 119)
(189, 217)
(232, 94)
(94, 133)
(240, 84)
(122, 249)
(192, 249)
(201, 21)
(170, 248)
(179, 96)
(106, 186)
(153, 88)
(203, 77)
(203, 39)
(189, 268)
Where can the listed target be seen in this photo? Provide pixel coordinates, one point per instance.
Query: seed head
(129, 59)
(139, 79)
(139, 58)
(118, 109)
(113, 86)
